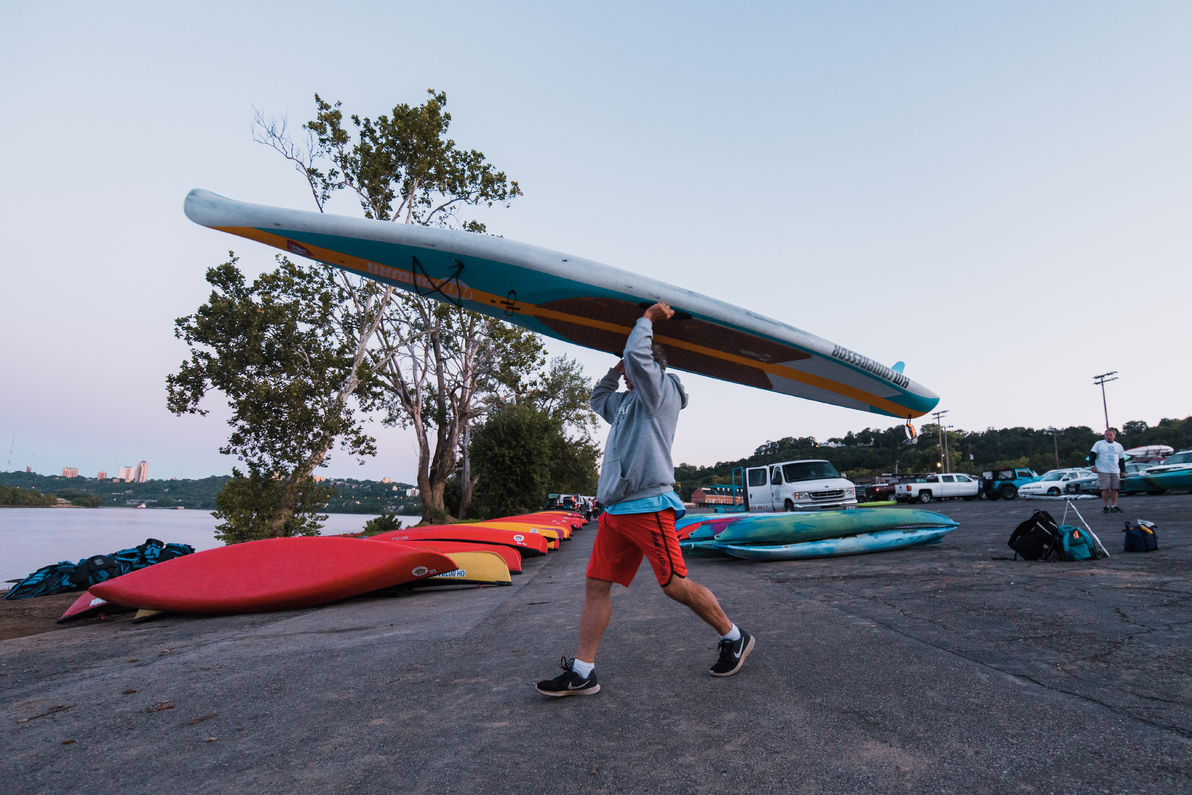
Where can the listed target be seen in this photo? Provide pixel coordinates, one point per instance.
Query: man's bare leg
(701, 601)
(598, 609)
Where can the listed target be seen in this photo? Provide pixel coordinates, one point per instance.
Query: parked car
(1158, 478)
(1089, 484)
(1053, 483)
(1181, 460)
(1003, 483)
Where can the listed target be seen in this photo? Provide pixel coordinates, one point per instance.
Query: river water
(34, 537)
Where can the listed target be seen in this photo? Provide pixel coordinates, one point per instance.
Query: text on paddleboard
(870, 366)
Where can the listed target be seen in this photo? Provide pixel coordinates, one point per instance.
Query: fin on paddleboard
(898, 367)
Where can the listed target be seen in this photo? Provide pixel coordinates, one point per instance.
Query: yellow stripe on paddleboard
(370, 269)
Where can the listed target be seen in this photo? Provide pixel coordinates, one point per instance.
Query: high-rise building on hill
(141, 473)
(124, 475)
(70, 472)
(102, 475)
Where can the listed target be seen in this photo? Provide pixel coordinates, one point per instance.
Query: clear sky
(999, 195)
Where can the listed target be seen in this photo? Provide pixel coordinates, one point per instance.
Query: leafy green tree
(434, 360)
(289, 362)
(536, 441)
(511, 454)
(251, 507)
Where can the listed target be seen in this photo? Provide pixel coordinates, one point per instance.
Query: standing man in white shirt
(1109, 462)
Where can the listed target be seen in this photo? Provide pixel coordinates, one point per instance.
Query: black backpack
(1036, 538)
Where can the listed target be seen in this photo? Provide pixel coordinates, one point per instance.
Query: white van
(798, 486)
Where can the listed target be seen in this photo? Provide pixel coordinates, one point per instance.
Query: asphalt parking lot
(947, 668)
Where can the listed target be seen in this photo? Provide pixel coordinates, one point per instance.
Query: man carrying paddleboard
(637, 487)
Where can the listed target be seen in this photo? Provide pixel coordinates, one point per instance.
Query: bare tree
(432, 359)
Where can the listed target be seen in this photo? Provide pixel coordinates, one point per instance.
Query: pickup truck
(937, 487)
(798, 486)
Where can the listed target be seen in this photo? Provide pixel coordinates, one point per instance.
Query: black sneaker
(1105, 509)
(733, 654)
(569, 683)
(1115, 509)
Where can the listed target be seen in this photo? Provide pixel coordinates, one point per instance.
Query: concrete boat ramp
(947, 668)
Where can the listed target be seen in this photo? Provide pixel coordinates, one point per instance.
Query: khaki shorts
(1109, 481)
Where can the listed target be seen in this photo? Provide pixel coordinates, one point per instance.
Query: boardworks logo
(519, 538)
(421, 571)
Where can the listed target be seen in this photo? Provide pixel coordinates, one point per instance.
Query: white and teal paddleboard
(859, 544)
(576, 300)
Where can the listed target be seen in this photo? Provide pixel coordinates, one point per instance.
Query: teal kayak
(860, 544)
(1175, 480)
(799, 527)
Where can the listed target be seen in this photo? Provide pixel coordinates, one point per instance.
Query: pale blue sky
(973, 190)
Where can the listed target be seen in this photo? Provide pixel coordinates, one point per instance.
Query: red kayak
(274, 574)
(89, 606)
(541, 521)
(526, 543)
(511, 556)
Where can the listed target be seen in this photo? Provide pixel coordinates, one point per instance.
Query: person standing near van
(636, 487)
(1109, 462)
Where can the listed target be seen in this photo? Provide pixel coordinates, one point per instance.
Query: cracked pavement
(946, 668)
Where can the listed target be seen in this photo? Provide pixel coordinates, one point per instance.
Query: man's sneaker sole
(744, 653)
(584, 691)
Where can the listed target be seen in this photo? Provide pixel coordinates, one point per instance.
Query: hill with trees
(350, 495)
(874, 452)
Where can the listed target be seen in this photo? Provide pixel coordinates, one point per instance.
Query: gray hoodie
(637, 456)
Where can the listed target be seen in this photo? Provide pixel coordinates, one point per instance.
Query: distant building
(102, 475)
(124, 475)
(386, 480)
(317, 478)
(70, 472)
(411, 492)
(141, 473)
(716, 495)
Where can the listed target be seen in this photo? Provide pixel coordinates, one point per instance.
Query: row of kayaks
(292, 573)
(1174, 480)
(797, 536)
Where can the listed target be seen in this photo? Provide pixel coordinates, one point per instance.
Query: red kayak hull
(89, 606)
(511, 556)
(526, 543)
(274, 574)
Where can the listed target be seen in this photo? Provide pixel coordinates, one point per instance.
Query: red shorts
(623, 539)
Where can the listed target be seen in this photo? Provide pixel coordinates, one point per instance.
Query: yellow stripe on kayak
(474, 568)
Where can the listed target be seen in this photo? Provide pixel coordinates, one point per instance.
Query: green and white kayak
(1174, 480)
(860, 544)
(800, 527)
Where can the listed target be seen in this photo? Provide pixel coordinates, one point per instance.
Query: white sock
(733, 634)
(582, 668)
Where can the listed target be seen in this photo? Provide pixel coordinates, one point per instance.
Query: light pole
(947, 452)
(1099, 380)
(1055, 438)
(940, 427)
